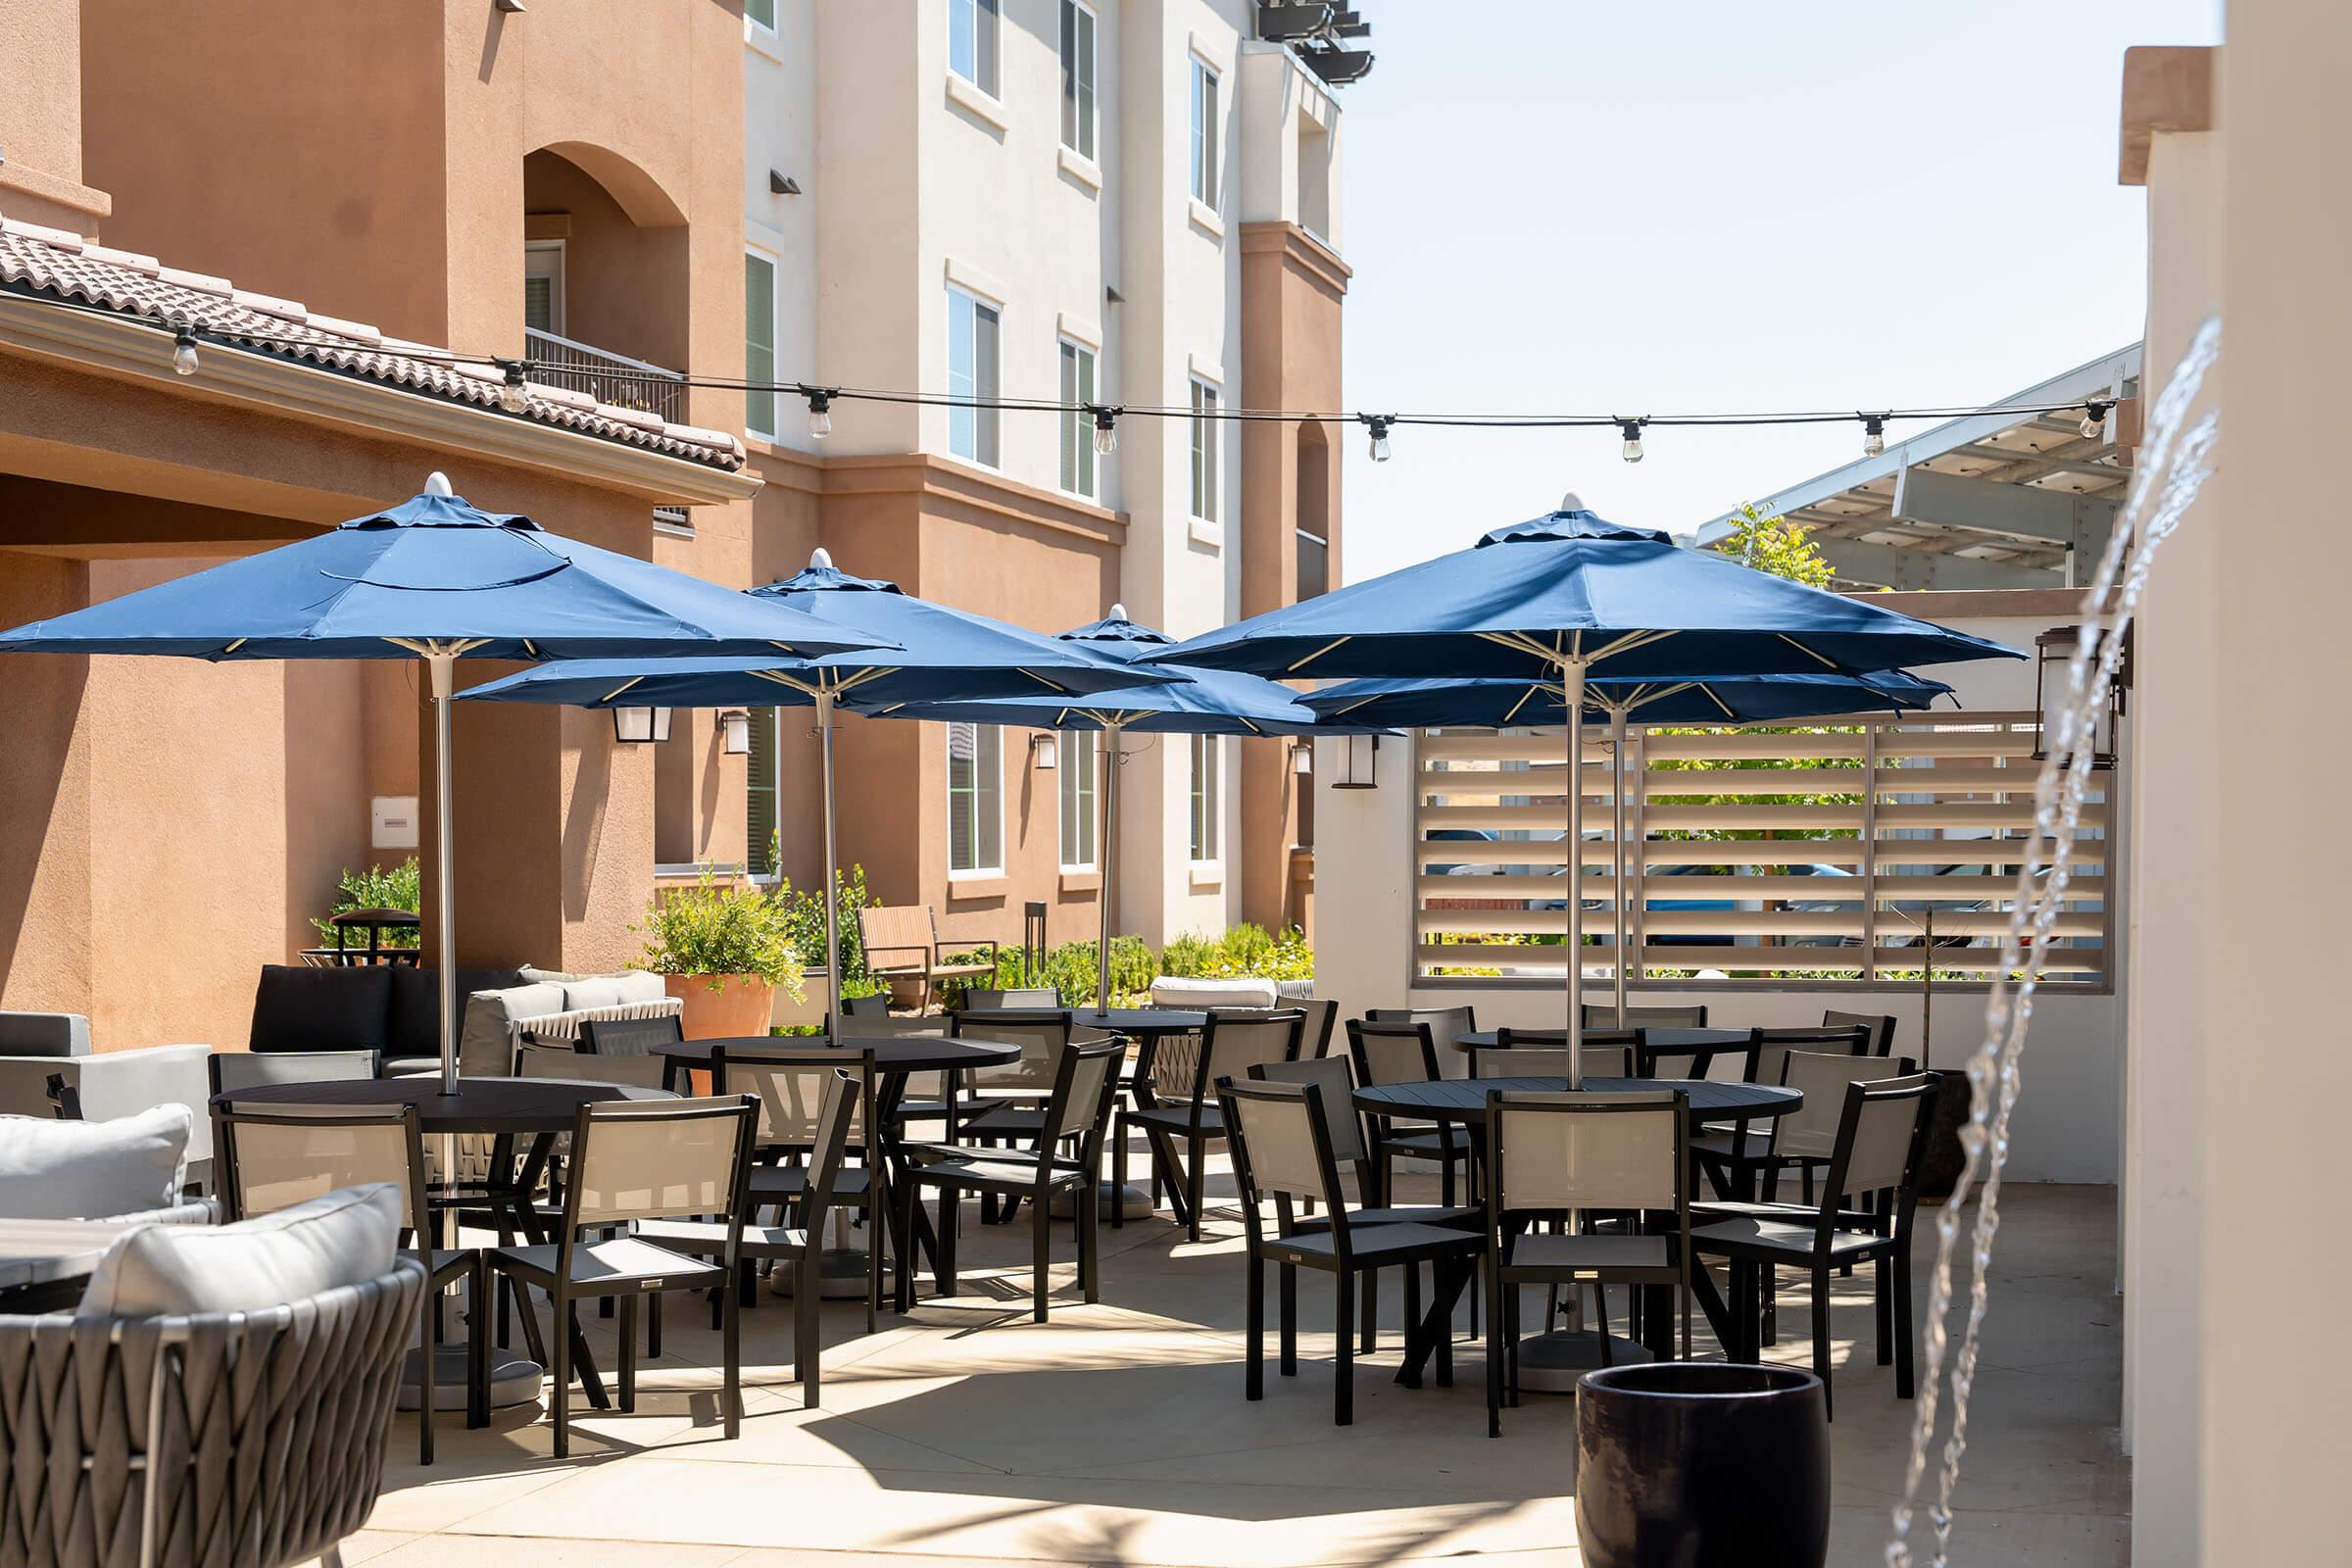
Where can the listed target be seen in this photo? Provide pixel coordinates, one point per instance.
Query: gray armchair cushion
(323, 1010)
(414, 1029)
(344, 1238)
(93, 1169)
(44, 1034)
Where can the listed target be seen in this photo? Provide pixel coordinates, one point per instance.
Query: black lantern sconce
(2052, 651)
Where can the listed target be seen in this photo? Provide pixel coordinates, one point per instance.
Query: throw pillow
(639, 984)
(93, 1169)
(599, 991)
(533, 975)
(414, 1026)
(345, 1238)
(323, 1010)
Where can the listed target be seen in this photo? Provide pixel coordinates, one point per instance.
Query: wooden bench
(902, 942)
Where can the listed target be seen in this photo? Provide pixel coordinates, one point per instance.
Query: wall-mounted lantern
(640, 726)
(1359, 762)
(735, 732)
(2052, 651)
(1045, 750)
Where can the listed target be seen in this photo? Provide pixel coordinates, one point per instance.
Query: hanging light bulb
(512, 397)
(183, 351)
(820, 414)
(1106, 429)
(1874, 435)
(1631, 429)
(2095, 418)
(1379, 427)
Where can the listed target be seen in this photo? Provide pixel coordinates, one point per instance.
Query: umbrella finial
(1118, 611)
(437, 483)
(821, 557)
(1571, 502)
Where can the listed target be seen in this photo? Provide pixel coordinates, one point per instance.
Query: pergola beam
(1922, 495)
(1886, 566)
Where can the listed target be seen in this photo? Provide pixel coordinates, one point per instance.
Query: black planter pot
(1691, 1464)
(1939, 1164)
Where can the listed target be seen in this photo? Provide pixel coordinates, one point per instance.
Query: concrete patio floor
(1118, 1435)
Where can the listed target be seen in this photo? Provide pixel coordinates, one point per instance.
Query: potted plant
(1681, 1463)
(722, 949)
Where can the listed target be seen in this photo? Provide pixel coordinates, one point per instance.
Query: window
(1078, 78)
(1204, 133)
(1077, 425)
(1209, 792)
(1078, 817)
(759, 796)
(1204, 451)
(972, 43)
(760, 14)
(975, 799)
(1314, 564)
(543, 286)
(971, 373)
(759, 341)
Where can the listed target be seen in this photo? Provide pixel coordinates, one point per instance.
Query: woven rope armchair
(264, 1432)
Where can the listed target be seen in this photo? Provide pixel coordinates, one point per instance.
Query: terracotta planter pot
(1684, 1462)
(720, 1006)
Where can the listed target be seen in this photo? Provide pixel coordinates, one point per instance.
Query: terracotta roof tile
(46, 262)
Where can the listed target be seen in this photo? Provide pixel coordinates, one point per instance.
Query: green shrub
(804, 922)
(1246, 951)
(721, 928)
(399, 887)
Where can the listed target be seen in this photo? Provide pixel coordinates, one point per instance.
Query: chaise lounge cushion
(415, 1028)
(93, 1169)
(345, 1238)
(300, 1008)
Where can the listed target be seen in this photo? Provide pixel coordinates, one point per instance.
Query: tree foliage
(1770, 543)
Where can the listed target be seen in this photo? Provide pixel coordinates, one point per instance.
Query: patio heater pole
(824, 743)
(1107, 849)
(442, 666)
(1617, 842)
(1572, 675)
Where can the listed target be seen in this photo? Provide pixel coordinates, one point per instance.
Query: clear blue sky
(1712, 205)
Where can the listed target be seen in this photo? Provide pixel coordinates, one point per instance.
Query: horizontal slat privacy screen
(1764, 852)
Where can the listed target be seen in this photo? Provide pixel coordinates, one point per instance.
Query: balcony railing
(605, 375)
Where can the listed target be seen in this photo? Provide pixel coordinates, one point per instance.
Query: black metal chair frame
(1198, 1122)
(1444, 1143)
(779, 1174)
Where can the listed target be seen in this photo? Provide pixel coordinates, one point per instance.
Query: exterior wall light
(735, 732)
(1359, 762)
(2052, 651)
(1302, 757)
(1045, 750)
(640, 726)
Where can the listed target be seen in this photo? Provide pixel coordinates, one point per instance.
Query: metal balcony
(605, 375)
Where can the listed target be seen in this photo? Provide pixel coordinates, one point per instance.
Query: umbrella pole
(824, 743)
(1617, 844)
(442, 668)
(1109, 851)
(1572, 674)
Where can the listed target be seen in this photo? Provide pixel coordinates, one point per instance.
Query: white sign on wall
(394, 822)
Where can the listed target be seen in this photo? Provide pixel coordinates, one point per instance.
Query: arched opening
(605, 279)
(1311, 525)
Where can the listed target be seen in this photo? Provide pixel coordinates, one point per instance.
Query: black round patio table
(509, 1106)
(1465, 1098)
(893, 1054)
(1658, 1039)
(1141, 1024)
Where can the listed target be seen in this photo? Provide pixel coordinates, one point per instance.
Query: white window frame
(977, 872)
(1079, 751)
(988, 43)
(1206, 134)
(985, 424)
(752, 371)
(1204, 796)
(1080, 369)
(756, 29)
(1081, 89)
(1205, 458)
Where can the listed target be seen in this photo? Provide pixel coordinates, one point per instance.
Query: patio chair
(790, 1085)
(1881, 1132)
(1774, 1045)
(231, 1405)
(629, 1036)
(1005, 1103)
(1544, 1054)
(1322, 1022)
(922, 1096)
(1281, 1141)
(1804, 1140)
(902, 944)
(1880, 1024)
(275, 1157)
(1721, 1063)
(235, 1071)
(637, 1070)
(981, 999)
(1230, 1043)
(874, 1005)
(1446, 1025)
(1603, 1015)
(636, 1160)
(1334, 1077)
(1085, 1082)
(1399, 1054)
(1551, 1153)
(799, 1242)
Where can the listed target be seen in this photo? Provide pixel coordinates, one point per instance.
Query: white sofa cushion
(597, 991)
(641, 985)
(93, 1169)
(345, 1238)
(484, 1048)
(1202, 994)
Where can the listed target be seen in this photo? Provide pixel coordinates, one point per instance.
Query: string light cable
(514, 374)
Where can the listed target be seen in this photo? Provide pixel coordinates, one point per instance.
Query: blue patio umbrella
(1567, 596)
(1742, 699)
(437, 579)
(1214, 702)
(933, 653)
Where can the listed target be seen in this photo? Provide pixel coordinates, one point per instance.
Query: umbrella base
(513, 1380)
